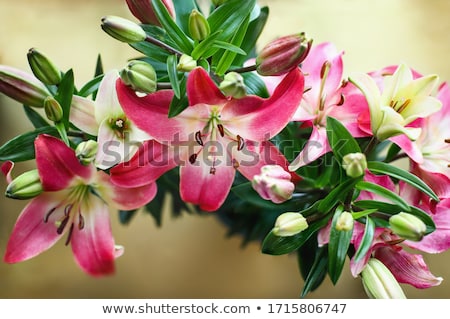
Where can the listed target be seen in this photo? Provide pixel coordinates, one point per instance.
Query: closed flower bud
(274, 184)
(283, 54)
(86, 151)
(140, 75)
(289, 224)
(354, 164)
(143, 10)
(407, 226)
(379, 283)
(25, 186)
(198, 26)
(53, 109)
(233, 85)
(186, 63)
(22, 87)
(43, 68)
(345, 222)
(123, 30)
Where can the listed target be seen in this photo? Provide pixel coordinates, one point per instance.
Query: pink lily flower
(118, 138)
(211, 139)
(327, 96)
(77, 201)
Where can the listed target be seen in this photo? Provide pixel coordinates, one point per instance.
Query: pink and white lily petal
(93, 245)
(151, 161)
(7, 168)
(57, 164)
(31, 235)
(106, 103)
(82, 114)
(316, 146)
(201, 89)
(260, 119)
(201, 187)
(407, 268)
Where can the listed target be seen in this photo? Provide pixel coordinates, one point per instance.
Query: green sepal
(340, 139)
(35, 118)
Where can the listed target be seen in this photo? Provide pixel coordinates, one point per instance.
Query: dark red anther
(80, 221)
(192, 158)
(47, 216)
(212, 170)
(241, 143)
(324, 70)
(221, 131)
(198, 138)
(62, 225)
(69, 235)
(341, 100)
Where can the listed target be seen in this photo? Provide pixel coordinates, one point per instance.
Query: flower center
(68, 212)
(120, 126)
(400, 105)
(211, 136)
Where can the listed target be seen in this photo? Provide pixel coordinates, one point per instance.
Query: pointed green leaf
(173, 30)
(125, 216)
(172, 62)
(64, 96)
(366, 241)
(205, 46)
(21, 148)
(340, 139)
(336, 195)
(35, 118)
(255, 85)
(91, 87)
(401, 174)
(337, 247)
(382, 207)
(229, 16)
(177, 105)
(99, 66)
(383, 192)
(317, 273)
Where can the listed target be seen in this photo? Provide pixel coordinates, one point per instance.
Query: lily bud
(22, 87)
(345, 222)
(274, 184)
(186, 63)
(123, 30)
(53, 109)
(43, 68)
(140, 75)
(407, 226)
(198, 26)
(25, 186)
(233, 85)
(283, 54)
(354, 164)
(379, 283)
(143, 10)
(289, 224)
(86, 151)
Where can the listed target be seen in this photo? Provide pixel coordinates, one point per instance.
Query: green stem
(245, 69)
(162, 45)
(373, 141)
(62, 132)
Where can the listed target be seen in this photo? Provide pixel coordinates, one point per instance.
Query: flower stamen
(241, 143)
(198, 138)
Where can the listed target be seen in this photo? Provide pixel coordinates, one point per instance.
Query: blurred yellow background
(191, 257)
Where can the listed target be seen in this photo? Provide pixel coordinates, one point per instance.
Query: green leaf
(183, 10)
(229, 47)
(172, 62)
(317, 273)
(35, 118)
(337, 247)
(125, 216)
(363, 213)
(393, 150)
(156, 205)
(21, 148)
(91, 86)
(229, 17)
(205, 46)
(426, 218)
(383, 192)
(275, 245)
(151, 50)
(99, 66)
(366, 241)
(177, 105)
(340, 139)
(64, 96)
(254, 30)
(379, 206)
(173, 30)
(401, 174)
(255, 85)
(227, 57)
(336, 195)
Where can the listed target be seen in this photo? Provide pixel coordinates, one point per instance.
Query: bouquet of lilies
(275, 141)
